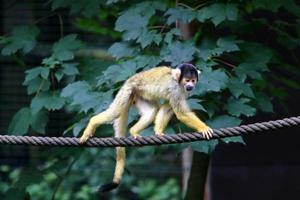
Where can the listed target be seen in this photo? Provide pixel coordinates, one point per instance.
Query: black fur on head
(187, 70)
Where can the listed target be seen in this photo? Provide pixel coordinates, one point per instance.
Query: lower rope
(148, 140)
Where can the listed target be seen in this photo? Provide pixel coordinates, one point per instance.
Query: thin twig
(223, 62)
(62, 178)
(61, 25)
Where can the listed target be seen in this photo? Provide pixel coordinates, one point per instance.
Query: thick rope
(148, 140)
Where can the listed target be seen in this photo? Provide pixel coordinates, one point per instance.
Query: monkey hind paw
(108, 187)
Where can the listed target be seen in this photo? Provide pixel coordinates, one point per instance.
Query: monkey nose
(189, 88)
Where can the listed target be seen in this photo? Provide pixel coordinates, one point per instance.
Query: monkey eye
(193, 81)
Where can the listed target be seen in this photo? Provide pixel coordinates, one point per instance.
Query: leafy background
(246, 50)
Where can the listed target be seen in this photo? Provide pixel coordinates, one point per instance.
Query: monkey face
(189, 83)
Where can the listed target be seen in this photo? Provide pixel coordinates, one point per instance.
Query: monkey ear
(176, 74)
(199, 72)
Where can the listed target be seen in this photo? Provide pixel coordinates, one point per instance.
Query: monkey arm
(183, 113)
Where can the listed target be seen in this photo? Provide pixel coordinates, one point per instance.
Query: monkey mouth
(189, 89)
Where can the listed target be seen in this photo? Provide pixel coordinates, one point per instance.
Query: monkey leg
(148, 112)
(162, 119)
(104, 117)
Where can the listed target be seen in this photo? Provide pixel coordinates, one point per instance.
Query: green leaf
(48, 100)
(252, 70)
(273, 5)
(217, 13)
(237, 107)
(169, 35)
(80, 94)
(148, 37)
(121, 49)
(185, 15)
(23, 38)
(205, 146)
(117, 73)
(237, 87)
(20, 122)
(37, 84)
(70, 69)
(59, 74)
(146, 61)
(79, 126)
(35, 72)
(178, 52)
(63, 50)
(39, 121)
(227, 44)
(212, 81)
(87, 8)
(195, 104)
(135, 20)
(74, 88)
(263, 102)
(51, 62)
(223, 121)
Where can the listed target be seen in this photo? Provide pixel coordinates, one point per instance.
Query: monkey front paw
(159, 134)
(83, 139)
(207, 132)
(85, 136)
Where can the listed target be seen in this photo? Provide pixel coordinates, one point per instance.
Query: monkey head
(187, 75)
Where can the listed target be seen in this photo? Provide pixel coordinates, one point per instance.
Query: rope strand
(148, 140)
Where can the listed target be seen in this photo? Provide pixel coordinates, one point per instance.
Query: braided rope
(148, 140)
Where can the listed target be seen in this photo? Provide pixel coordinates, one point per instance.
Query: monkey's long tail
(120, 165)
(120, 125)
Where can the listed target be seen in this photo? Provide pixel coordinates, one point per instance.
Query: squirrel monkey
(144, 90)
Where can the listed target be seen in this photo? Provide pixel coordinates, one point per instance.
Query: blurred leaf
(205, 146)
(212, 81)
(263, 102)
(237, 87)
(223, 121)
(236, 107)
(63, 50)
(178, 52)
(39, 121)
(268, 5)
(217, 13)
(87, 8)
(14, 193)
(23, 38)
(37, 84)
(227, 44)
(185, 15)
(135, 20)
(21, 121)
(148, 37)
(195, 104)
(70, 69)
(35, 72)
(121, 49)
(169, 35)
(48, 100)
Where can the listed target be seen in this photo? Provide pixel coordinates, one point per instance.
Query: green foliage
(239, 75)
(25, 118)
(23, 38)
(151, 190)
(218, 12)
